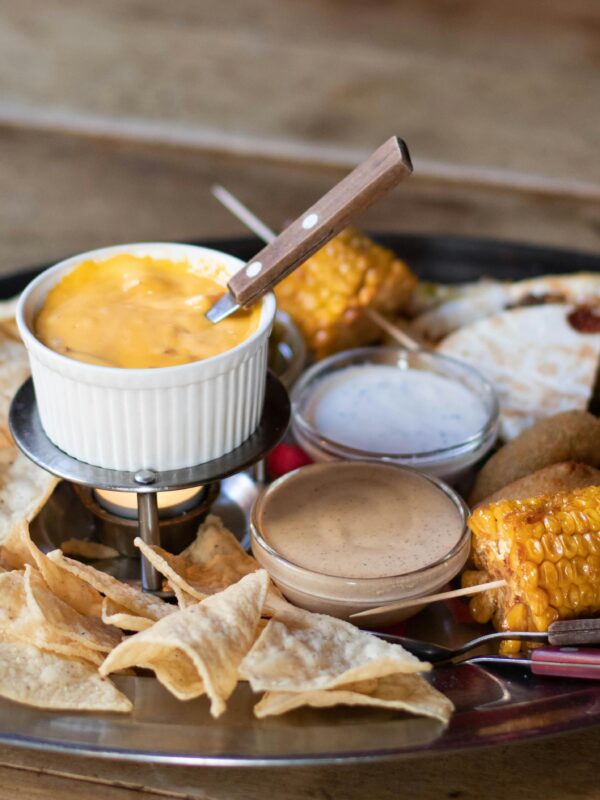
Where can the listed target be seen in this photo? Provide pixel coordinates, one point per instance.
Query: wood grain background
(117, 115)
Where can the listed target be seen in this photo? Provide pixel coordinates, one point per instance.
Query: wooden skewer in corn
(258, 227)
(431, 598)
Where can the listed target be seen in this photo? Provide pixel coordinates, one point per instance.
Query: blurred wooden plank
(64, 194)
(507, 85)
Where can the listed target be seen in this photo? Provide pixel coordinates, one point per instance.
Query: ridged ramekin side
(156, 428)
(163, 419)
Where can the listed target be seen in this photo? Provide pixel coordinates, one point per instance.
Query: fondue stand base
(26, 428)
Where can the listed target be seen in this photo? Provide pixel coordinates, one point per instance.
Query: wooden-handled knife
(386, 167)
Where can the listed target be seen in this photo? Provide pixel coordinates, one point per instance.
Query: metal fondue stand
(26, 428)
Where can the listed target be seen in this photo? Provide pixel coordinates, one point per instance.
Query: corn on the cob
(547, 549)
(328, 293)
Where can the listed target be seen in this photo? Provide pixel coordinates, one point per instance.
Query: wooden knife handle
(386, 167)
(566, 662)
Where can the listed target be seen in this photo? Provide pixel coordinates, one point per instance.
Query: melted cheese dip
(381, 409)
(137, 312)
(359, 520)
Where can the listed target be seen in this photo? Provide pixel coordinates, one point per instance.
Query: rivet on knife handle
(386, 167)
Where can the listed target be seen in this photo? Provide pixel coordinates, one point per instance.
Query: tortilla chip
(174, 569)
(18, 623)
(214, 561)
(14, 368)
(45, 680)
(537, 362)
(213, 539)
(276, 604)
(52, 611)
(112, 614)
(93, 551)
(16, 549)
(300, 651)
(19, 550)
(199, 649)
(124, 595)
(24, 488)
(183, 598)
(409, 693)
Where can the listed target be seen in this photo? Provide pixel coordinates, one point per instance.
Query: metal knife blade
(225, 306)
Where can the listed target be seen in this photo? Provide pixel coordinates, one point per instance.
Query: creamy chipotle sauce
(358, 520)
(136, 312)
(379, 408)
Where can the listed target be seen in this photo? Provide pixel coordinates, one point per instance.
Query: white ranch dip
(378, 408)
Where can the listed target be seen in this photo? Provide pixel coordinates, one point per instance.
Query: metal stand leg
(259, 472)
(150, 533)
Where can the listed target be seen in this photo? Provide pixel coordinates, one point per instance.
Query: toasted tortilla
(214, 561)
(20, 623)
(397, 692)
(14, 370)
(537, 362)
(299, 651)
(54, 613)
(24, 488)
(92, 551)
(119, 617)
(19, 550)
(476, 302)
(198, 650)
(129, 597)
(472, 302)
(46, 680)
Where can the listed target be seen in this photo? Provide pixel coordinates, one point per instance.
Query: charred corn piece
(547, 549)
(326, 296)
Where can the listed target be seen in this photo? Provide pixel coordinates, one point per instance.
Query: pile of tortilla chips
(63, 622)
(65, 626)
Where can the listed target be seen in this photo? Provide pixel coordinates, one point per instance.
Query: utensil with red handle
(557, 662)
(386, 167)
(562, 656)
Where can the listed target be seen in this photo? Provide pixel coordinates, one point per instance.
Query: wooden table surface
(116, 116)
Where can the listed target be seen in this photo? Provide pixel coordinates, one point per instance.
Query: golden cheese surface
(137, 312)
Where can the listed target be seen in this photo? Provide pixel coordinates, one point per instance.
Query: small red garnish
(285, 458)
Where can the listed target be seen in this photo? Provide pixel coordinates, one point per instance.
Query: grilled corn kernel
(509, 647)
(326, 296)
(482, 607)
(547, 549)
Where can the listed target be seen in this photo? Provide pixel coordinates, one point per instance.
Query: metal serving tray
(492, 706)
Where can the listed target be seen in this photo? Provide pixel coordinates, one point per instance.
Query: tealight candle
(170, 504)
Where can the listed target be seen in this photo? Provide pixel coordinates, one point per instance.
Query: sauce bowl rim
(340, 450)
(340, 580)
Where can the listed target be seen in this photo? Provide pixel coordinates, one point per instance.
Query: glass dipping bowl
(451, 464)
(340, 596)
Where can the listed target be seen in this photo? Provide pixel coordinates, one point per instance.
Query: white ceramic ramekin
(164, 418)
